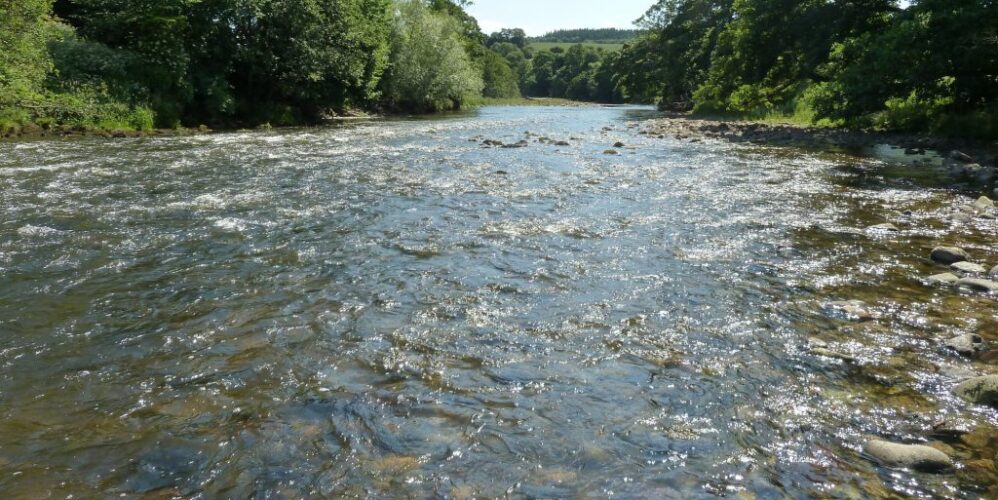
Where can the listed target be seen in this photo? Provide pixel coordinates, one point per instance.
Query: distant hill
(595, 36)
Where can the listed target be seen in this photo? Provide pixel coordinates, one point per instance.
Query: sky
(538, 17)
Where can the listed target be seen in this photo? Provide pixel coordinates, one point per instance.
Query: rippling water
(390, 309)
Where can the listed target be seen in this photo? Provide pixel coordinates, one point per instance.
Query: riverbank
(36, 132)
(686, 127)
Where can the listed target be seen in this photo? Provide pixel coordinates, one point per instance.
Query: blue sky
(538, 17)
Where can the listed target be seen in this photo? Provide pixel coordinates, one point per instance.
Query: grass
(611, 47)
(478, 102)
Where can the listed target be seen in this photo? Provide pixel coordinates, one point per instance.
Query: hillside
(588, 35)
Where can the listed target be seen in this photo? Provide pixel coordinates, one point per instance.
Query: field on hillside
(566, 45)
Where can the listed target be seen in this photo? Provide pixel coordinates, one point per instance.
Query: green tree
(936, 67)
(429, 69)
(24, 60)
(500, 81)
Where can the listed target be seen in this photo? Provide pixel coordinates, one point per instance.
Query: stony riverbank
(974, 161)
(963, 278)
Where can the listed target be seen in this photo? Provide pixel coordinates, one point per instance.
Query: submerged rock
(562, 143)
(828, 353)
(619, 144)
(951, 429)
(960, 156)
(969, 268)
(967, 345)
(913, 456)
(611, 152)
(854, 309)
(979, 390)
(949, 255)
(884, 227)
(979, 285)
(943, 279)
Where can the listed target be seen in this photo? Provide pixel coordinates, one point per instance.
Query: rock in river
(967, 345)
(959, 156)
(943, 279)
(994, 272)
(978, 285)
(979, 390)
(949, 255)
(611, 152)
(969, 268)
(984, 203)
(854, 309)
(884, 227)
(913, 456)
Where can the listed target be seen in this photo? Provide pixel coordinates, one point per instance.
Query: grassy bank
(479, 102)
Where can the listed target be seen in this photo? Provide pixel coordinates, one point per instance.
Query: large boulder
(979, 390)
(912, 456)
(949, 255)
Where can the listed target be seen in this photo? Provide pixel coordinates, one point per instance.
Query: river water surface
(390, 309)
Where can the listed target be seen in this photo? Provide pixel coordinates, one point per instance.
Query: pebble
(943, 279)
(979, 285)
(949, 255)
(969, 268)
(913, 456)
(967, 345)
(979, 390)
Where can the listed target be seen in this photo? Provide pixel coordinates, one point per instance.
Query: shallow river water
(390, 309)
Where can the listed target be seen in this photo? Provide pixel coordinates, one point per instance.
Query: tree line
(926, 65)
(138, 64)
(589, 35)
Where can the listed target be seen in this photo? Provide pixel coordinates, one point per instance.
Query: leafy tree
(24, 60)
(937, 67)
(429, 69)
(673, 56)
(515, 36)
(500, 81)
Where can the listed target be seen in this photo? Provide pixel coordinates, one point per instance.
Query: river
(389, 309)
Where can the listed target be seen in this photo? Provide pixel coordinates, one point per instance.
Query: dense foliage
(925, 65)
(605, 35)
(429, 68)
(122, 64)
(930, 66)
